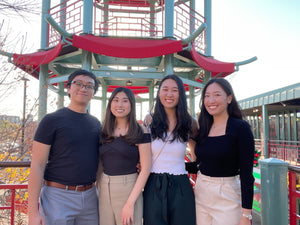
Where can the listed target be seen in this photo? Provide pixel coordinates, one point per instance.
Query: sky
(268, 29)
(241, 29)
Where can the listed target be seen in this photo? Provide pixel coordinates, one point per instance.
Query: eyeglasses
(80, 85)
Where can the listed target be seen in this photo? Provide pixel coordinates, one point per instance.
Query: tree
(19, 8)
(10, 133)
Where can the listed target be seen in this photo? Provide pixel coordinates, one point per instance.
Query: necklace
(121, 131)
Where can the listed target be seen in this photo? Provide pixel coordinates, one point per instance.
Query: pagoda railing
(127, 20)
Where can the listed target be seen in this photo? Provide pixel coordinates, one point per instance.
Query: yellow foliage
(13, 175)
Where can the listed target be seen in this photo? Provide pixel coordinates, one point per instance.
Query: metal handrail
(15, 164)
(294, 195)
(13, 188)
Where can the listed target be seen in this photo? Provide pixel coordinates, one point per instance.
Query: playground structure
(132, 43)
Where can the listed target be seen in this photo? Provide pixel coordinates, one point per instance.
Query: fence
(127, 20)
(12, 197)
(277, 149)
(294, 194)
(285, 150)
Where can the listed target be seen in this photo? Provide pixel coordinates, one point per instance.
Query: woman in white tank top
(168, 194)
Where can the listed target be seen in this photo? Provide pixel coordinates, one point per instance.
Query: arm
(147, 122)
(246, 154)
(244, 220)
(40, 153)
(191, 142)
(191, 145)
(99, 173)
(145, 160)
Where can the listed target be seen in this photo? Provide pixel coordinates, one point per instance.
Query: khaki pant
(218, 200)
(113, 194)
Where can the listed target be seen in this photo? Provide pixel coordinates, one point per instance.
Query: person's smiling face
(80, 90)
(169, 93)
(120, 106)
(216, 100)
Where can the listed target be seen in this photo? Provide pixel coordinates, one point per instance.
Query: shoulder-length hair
(160, 124)
(205, 120)
(134, 133)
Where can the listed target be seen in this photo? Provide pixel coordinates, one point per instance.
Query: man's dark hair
(84, 73)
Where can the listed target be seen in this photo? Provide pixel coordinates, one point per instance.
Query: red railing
(278, 149)
(69, 15)
(12, 203)
(127, 20)
(285, 150)
(294, 195)
(187, 20)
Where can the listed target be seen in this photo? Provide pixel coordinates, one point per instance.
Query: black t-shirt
(120, 158)
(74, 140)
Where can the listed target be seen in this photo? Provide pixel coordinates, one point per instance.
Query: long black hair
(159, 125)
(135, 131)
(205, 120)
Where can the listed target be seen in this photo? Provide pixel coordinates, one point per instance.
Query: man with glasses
(65, 160)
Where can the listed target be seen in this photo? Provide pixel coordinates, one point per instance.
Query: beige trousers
(113, 194)
(218, 200)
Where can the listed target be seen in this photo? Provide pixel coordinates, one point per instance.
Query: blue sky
(241, 29)
(268, 29)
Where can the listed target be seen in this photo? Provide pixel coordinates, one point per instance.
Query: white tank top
(171, 158)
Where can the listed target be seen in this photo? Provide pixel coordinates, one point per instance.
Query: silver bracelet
(248, 216)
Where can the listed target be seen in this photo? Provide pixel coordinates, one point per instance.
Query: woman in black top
(123, 143)
(225, 151)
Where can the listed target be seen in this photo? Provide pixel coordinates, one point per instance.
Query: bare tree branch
(19, 8)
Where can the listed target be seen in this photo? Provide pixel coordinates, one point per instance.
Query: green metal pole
(208, 21)
(87, 29)
(87, 16)
(288, 125)
(169, 19)
(104, 96)
(169, 33)
(105, 17)
(61, 95)
(151, 96)
(277, 126)
(87, 65)
(274, 191)
(43, 91)
(43, 86)
(192, 100)
(152, 18)
(44, 25)
(295, 137)
(192, 16)
(61, 86)
(265, 120)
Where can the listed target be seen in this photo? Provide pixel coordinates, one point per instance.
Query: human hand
(139, 167)
(245, 221)
(127, 214)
